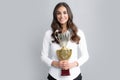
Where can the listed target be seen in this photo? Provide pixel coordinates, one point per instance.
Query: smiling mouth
(62, 19)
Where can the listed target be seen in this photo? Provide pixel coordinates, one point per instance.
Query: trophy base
(65, 72)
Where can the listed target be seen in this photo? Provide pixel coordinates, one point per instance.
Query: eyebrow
(59, 11)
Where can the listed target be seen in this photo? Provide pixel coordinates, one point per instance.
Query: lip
(62, 19)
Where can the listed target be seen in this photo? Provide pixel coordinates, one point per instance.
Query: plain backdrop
(24, 22)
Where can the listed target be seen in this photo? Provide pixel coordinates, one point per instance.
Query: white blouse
(79, 54)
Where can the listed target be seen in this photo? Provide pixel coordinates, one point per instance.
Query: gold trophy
(64, 53)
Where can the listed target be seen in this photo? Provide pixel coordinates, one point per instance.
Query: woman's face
(62, 15)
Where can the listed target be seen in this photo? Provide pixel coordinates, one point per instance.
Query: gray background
(24, 22)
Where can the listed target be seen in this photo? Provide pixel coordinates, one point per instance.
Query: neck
(64, 28)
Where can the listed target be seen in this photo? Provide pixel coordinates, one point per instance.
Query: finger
(66, 68)
(66, 61)
(60, 64)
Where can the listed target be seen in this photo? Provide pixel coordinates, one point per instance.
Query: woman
(63, 22)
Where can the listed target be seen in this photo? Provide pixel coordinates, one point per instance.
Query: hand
(66, 65)
(60, 64)
(63, 64)
(55, 63)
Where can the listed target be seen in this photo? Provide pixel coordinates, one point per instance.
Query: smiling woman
(66, 69)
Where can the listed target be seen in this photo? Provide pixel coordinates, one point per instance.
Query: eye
(65, 12)
(58, 13)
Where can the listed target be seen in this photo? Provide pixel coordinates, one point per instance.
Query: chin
(62, 23)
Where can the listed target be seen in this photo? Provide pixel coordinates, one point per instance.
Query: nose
(62, 15)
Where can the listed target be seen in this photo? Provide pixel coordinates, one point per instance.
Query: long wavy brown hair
(55, 25)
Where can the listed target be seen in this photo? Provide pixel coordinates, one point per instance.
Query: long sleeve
(45, 48)
(83, 49)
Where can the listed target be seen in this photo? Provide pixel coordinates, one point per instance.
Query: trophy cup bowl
(64, 53)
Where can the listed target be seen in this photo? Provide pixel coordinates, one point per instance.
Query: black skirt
(77, 78)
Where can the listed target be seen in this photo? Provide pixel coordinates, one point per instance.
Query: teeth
(62, 20)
